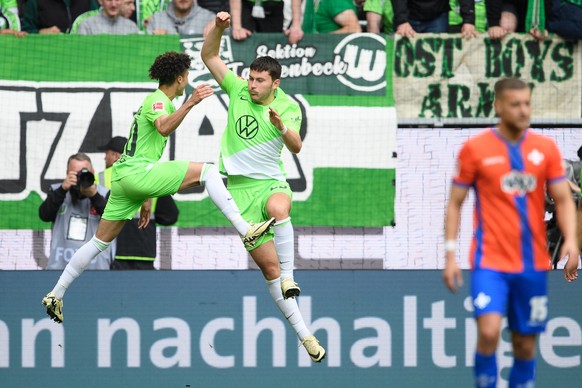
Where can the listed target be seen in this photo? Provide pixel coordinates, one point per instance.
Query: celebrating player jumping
(139, 174)
(261, 120)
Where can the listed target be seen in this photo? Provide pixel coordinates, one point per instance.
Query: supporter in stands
(183, 17)
(379, 16)
(54, 16)
(507, 16)
(337, 17)
(81, 18)
(456, 20)
(127, 11)
(249, 16)
(292, 25)
(136, 248)
(127, 8)
(412, 16)
(108, 21)
(9, 22)
(566, 18)
(75, 207)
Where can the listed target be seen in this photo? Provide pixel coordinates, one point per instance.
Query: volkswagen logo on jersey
(247, 127)
(518, 183)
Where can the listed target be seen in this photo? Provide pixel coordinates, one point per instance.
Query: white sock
(289, 308)
(222, 198)
(78, 263)
(284, 244)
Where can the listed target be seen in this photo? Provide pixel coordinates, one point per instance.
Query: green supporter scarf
(536, 16)
(308, 17)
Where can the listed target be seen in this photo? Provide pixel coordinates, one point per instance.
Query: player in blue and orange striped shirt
(509, 167)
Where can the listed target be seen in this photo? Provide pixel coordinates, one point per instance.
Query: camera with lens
(85, 178)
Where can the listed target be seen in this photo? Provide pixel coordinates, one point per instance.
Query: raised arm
(210, 48)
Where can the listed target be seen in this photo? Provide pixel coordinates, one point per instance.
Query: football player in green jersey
(139, 175)
(261, 121)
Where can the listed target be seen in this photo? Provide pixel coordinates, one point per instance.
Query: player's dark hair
(509, 84)
(168, 66)
(269, 64)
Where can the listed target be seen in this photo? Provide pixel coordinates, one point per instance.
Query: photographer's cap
(116, 144)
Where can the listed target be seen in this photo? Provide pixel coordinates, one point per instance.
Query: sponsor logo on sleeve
(158, 107)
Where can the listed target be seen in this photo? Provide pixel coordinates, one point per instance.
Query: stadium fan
(566, 18)
(507, 16)
(109, 20)
(379, 16)
(54, 16)
(182, 17)
(336, 17)
(420, 16)
(250, 16)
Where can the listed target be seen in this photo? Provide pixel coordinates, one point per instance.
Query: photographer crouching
(75, 207)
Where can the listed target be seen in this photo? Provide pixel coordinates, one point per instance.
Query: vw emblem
(247, 127)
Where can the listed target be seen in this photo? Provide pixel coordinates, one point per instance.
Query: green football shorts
(128, 193)
(251, 196)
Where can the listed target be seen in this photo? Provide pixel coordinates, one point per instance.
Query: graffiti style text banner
(445, 76)
(71, 100)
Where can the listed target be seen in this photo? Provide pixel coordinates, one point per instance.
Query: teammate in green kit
(261, 120)
(139, 175)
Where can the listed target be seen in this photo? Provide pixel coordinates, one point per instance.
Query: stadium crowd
(294, 18)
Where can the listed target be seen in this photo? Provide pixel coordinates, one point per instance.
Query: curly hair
(168, 66)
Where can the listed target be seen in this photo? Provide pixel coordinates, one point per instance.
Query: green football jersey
(383, 8)
(328, 10)
(81, 18)
(145, 145)
(251, 146)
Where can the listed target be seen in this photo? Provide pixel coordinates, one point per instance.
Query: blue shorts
(523, 297)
